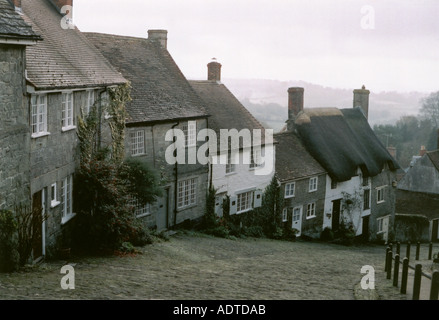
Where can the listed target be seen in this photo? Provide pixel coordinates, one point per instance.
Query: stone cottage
(243, 164)
(303, 184)
(361, 174)
(163, 102)
(15, 36)
(65, 76)
(418, 195)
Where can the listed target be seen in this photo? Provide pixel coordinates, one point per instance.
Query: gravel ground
(199, 267)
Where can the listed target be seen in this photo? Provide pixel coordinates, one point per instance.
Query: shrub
(327, 234)
(254, 231)
(9, 256)
(220, 231)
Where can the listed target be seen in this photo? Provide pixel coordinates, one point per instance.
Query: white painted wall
(355, 185)
(243, 179)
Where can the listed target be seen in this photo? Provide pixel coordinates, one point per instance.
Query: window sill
(138, 155)
(186, 207)
(379, 202)
(311, 191)
(69, 128)
(230, 174)
(67, 219)
(40, 135)
(54, 204)
(289, 197)
(143, 215)
(244, 211)
(311, 217)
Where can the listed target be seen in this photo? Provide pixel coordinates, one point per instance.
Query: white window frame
(255, 162)
(139, 210)
(380, 225)
(68, 111)
(288, 187)
(67, 199)
(230, 167)
(190, 134)
(311, 210)
(90, 101)
(380, 195)
(137, 141)
(54, 195)
(313, 184)
(285, 215)
(187, 193)
(39, 115)
(244, 201)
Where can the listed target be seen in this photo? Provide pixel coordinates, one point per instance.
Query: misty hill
(267, 100)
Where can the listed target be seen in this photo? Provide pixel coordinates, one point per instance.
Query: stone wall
(311, 227)
(164, 212)
(14, 129)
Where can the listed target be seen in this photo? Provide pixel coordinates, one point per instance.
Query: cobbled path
(199, 267)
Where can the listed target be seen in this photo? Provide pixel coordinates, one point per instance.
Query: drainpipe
(100, 119)
(176, 180)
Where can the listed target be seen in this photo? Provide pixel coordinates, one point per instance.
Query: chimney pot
(361, 99)
(423, 151)
(295, 105)
(214, 70)
(159, 35)
(17, 5)
(59, 4)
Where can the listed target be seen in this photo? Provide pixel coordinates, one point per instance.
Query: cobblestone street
(205, 268)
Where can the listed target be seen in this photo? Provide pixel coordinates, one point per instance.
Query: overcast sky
(383, 44)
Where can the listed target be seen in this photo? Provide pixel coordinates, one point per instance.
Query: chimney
(423, 151)
(392, 151)
(160, 36)
(59, 4)
(361, 99)
(295, 105)
(17, 5)
(214, 71)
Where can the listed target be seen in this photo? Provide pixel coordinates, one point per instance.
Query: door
(37, 225)
(435, 230)
(336, 207)
(365, 229)
(297, 220)
(163, 213)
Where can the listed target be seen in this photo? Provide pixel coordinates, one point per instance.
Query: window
(137, 142)
(190, 133)
(333, 184)
(365, 181)
(90, 101)
(380, 227)
(230, 167)
(313, 184)
(255, 162)
(187, 193)
(54, 195)
(245, 201)
(67, 111)
(366, 199)
(380, 195)
(39, 115)
(285, 215)
(311, 210)
(105, 104)
(290, 190)
(66, 198)
(140, 210)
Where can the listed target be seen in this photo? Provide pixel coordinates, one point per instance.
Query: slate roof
(226, 112)
(293, 161)
(434, 158)
(65, 59)
(12, 25)
(341, 141)
(160, 91)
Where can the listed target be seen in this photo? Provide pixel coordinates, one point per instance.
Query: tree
(430, 108)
